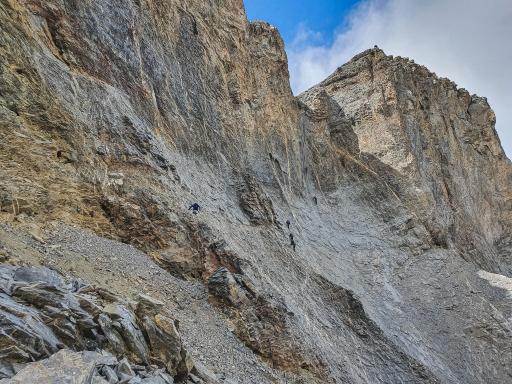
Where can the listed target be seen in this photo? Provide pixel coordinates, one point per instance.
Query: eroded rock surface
(440, 141)
(68, 367)
(116, 115)
(42, 314)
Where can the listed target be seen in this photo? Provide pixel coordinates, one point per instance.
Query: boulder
(203, 373)
(125, 372)
(42, 314)
(223, 285)
(64, 367)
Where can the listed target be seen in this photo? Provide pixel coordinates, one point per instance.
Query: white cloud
(468, 41)
(305, 36)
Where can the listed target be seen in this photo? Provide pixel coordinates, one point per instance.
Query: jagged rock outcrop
(41, 314)
(86, 367)
(441, 142)
(116, 115)
(254, 202)
(263, 323)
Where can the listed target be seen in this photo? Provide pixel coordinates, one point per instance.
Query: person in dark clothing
(292, 241)
(288, 223)
(195, 208)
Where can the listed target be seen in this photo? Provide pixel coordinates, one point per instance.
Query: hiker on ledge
(195, 208)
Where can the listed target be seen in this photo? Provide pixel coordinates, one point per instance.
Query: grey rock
(42, 314)
(254, 202)
(38, 274)
(125, 323)
(124, 372)
(106, 359)
(399, 270)
(203, 373)
(223, 285)
(99, 380)
(64, 367)
(164, 340)
(113, 336)
(158, 380)
(109, 374)
(148, 306)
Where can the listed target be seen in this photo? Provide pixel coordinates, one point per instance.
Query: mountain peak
(166, 201)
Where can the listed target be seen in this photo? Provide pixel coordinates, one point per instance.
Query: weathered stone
(106, 359)
(181, 262)
(204, 374)
(163, 340)
(158, 380)
(125, 323)
(64, 367)
(42, 275)
(109, 374)
(112, 335)
(260, 322)
(14, 205)
(438, 140)
(41, 314)
(329, 119)
(254, 201)
(99, 380)
(224, 286)
(125, 372)
(396, 181)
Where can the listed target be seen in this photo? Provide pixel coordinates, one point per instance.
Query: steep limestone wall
(116, 115)
(441, 142)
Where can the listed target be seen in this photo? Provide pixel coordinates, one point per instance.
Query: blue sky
(321, 16)
(467, 41)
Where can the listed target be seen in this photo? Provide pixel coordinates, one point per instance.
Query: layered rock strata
(116, 115)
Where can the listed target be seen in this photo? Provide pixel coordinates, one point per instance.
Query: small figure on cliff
(195, 208)
(288, 224)
(292, 241)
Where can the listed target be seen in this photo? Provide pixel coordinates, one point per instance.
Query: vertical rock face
(120, 84)
(441, 141)
(116, 115)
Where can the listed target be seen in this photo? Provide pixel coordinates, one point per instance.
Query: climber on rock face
(195, 208)
(292, 241)
(288, 223)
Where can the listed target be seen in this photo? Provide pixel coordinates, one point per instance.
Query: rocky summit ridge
(116, 116)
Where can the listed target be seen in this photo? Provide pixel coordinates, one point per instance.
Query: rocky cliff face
(441, 141)
(115, 116)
